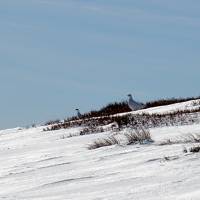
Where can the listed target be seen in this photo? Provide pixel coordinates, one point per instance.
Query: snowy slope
(39, 165)
(188, 105)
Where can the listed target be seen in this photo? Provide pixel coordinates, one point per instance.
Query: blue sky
(57, 55)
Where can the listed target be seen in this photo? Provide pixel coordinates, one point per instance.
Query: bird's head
(129, 95)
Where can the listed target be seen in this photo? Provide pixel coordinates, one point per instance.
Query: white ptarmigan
(133, 105)
(78, 113)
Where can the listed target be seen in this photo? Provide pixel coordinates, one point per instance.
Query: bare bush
(140, 136)
(195, 149)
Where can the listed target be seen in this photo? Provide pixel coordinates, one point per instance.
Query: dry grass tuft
(112, 140)
(140, 136)
(136, 136)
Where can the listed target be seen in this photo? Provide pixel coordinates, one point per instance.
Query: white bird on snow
(133, 105)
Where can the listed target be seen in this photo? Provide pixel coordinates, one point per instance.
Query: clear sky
(57, 55)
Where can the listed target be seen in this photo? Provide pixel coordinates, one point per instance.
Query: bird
(78, 113)
(133, 105)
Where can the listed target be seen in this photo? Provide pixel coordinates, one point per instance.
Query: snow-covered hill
(37, 165)
(188, 105)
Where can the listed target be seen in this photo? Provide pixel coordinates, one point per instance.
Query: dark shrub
(195, 149)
